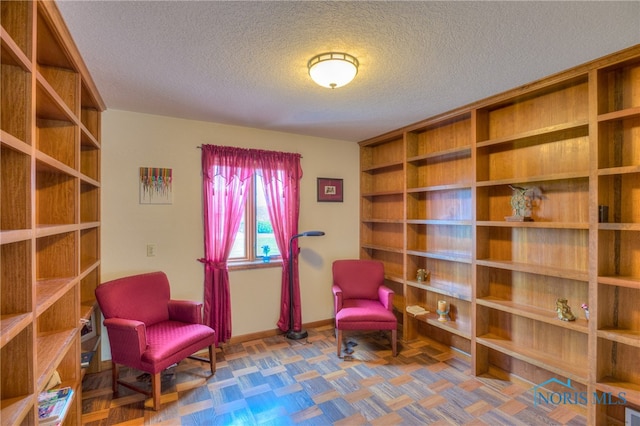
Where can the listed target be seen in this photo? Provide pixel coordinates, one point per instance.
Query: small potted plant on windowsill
(265, 254)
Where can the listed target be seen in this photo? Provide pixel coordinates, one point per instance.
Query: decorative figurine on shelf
(265, 254)
(522, 203)
(564, 311)
(585, 307)
(422, 275)
(443, 311)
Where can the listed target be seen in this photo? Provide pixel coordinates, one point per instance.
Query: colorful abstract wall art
(156, 185)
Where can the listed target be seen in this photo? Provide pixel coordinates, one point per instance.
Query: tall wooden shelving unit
(50, 212)
(435, 195)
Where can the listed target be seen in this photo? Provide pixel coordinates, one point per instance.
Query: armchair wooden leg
(155, 389)
(115, 374)
(394, 340)
(212, 359)
(339, 342)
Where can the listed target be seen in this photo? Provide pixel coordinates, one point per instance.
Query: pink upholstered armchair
(148, 331)
(362, 301)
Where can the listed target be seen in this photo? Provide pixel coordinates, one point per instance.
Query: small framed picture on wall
(330, 190)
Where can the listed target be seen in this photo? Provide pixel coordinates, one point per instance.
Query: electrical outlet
(151, 250)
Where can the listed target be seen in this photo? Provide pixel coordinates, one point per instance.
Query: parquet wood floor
(276, 381)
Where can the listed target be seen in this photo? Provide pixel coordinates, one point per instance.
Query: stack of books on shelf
(53, 405)
(416, 310)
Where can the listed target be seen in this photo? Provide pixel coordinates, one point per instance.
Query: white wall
(133, 140)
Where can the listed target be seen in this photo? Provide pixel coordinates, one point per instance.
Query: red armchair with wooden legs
(150, 332)
(362, 301)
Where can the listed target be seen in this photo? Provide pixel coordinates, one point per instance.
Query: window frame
(252, 260)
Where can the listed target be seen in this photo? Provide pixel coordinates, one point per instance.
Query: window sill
(254, 264)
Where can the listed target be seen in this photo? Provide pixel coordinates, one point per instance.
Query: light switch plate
(151, 250)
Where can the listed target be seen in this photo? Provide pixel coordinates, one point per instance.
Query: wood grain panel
(57, 139)
(451, 204)
(565, 105)
(15, 190)
(89, 203)
(15, 106)
(16, 18)
(620, 87)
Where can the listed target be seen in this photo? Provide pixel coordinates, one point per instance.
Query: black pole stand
(291, 333)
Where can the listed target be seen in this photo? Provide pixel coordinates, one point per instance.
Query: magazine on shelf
(53, 405)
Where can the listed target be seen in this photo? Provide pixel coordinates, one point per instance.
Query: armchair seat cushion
(167, 340)
(364, 311)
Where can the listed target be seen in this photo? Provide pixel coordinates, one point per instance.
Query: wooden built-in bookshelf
(436, 195)
(50, 206)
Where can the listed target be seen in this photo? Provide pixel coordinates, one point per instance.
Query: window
(255, 231)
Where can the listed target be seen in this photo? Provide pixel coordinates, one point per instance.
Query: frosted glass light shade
(333, 69)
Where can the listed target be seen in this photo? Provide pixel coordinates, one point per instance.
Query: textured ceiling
(244, 63)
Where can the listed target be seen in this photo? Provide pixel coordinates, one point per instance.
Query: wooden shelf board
(90, 345)
(14, 54)
(463, 151)
(443, 255)
(448, 222)
(89, 267)
(534, 179)
(15, 235)
(535, 269)
(49, 104)
(14, 143)
(624, 170)
(43, 230)
(382, 166)
(382, 193)
(393, 278)
(47, 163)
(534, 224)
(87, 139)
(381, 248)
(12, 325)
(446, 288)
(458, 328)
(444, 187)
(49, 359)
(398, 221)
(542, 315)
(14, 410)
(619, 115)
(620, 281)
(87, 180)
(544, 131)
(50, 290)
(88, 225)
(538, 358)
(86, 310)
(627, 337)
(619, 226)
(615, 386)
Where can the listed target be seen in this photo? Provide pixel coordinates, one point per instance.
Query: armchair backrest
(143, 297)
(358, 279)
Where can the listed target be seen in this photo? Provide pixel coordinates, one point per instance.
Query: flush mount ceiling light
(333, 69)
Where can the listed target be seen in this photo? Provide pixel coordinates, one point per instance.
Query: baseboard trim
(274, 332)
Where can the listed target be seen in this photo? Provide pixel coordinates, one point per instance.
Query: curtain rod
(200, 147)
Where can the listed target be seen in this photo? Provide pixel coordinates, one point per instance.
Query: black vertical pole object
(291, 333)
